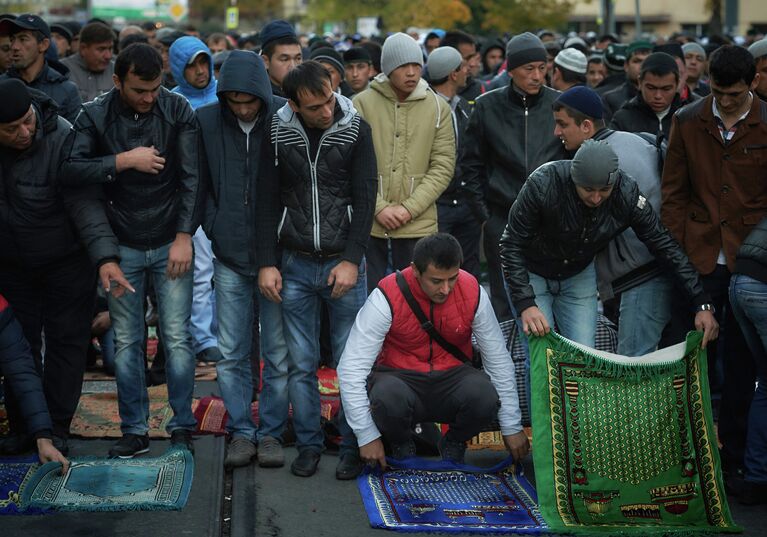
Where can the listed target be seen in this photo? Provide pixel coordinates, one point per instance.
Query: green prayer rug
(91, 484)
(625, 445)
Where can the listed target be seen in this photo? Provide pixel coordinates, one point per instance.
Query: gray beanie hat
(443, 61)
(524, 48)
(759, 48)
(573, 60)
(695, 48)
(595, 165)
(399, 49)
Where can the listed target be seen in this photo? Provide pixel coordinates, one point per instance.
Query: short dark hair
(571, 77)
(215, 37)
(307, 77)
(375, 53)
(142, 59)
(453, 38)
(440, 249)
(577, 116)
(268, 50)
(130, 39)
(730, 64)
(659, 64)
(95, 32)
(148, 25)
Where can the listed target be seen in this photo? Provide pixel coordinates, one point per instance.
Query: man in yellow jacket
(415, 149)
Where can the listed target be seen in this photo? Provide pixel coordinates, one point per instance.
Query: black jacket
(552, 233)
(54, 82)
(40, 220)
(507, 137)
(145, 210)
(236, 162)
(18, 367)
(326, 181)
(614, 99)
(751, 259)
(611, 82)
(637, 116)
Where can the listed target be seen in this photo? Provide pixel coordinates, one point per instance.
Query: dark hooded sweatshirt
(234, 161)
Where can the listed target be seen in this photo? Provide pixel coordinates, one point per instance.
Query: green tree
(517, 16)
(262, 10)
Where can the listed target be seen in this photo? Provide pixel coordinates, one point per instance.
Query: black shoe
(61, 443)
(17, 444)
(211, 354)
(451, 451)
(130, 445)
(305, 465)
(403, 451)
(349, 466)
(753, 493)
(182, 438)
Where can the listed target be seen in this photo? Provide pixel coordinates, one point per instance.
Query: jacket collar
(289, 119)
(518, 97)
(382, 85)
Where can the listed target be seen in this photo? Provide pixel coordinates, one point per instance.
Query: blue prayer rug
(437, 496)
(145, 484)
(15, 473)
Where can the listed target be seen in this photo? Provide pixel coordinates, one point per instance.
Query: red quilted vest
(407, 345)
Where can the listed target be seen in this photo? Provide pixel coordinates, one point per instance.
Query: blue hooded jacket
(181, 51)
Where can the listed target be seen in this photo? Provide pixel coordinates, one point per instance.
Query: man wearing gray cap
(569, 70)
(510, 133)
(566, 213)
(460, 205)
(415, 150)
(695, 61)
(759, 51)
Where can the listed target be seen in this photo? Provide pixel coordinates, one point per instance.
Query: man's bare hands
(393, 217)
(180, 256)
(47, 452)
(343, 277)
(113, 280)
(517, 444)
(534, 321)
(270, 283)
(143, 159)
(373, 453)
(705, 321)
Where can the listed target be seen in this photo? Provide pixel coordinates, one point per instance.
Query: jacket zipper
(527, 113)
(315, 193)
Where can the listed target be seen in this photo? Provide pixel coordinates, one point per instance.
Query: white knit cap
(399, 49)
(573, 60)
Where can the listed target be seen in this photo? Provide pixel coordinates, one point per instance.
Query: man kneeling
(417, 371)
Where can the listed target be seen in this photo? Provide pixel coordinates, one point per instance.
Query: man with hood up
(192, 66)
(235, 134)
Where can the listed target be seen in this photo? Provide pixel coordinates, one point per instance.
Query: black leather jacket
(552, 233)
(42, 222)
(145, 211)
(752, 255)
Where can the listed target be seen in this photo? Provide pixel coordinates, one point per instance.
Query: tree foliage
(251, 9)
(516, 16)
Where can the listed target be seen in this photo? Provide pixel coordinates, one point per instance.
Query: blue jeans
(305, 287)
(174, 303)
(748, 298)
(107, 342)
(273, 403)
(234, 297)
(204, 317)
(570, 303)
(644, 313)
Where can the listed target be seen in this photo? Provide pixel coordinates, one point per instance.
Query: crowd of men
(282, 202)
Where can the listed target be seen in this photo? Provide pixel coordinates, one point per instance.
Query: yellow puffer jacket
(415, 149)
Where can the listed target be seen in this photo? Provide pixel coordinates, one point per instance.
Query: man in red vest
(398, 370)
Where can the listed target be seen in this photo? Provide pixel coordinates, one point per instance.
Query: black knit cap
(331, 56)
(357, 55)
(15, 98)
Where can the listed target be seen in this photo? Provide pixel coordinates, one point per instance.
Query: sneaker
(129, 445)
(270, 454)
(182, 438)
(239, 453)
(403, 451)
(451, 451)
(305, 465)
(211, 354)
(349, 466)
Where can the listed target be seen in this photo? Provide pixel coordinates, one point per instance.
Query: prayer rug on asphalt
(143, 484)
(436, 496)
(625, 445)
(15, 473)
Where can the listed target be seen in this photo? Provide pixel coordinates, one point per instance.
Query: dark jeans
(459, 221)
(462, 397)
(731, 354)
(57, 300)
(494, 228)
(377, 255)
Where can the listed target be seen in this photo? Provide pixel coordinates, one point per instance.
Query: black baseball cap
(27, 21)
